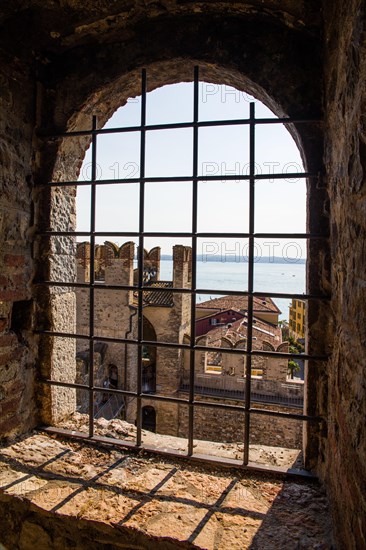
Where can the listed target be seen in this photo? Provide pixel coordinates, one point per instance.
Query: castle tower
(182, 266)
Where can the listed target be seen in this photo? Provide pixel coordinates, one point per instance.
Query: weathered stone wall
(113, 318)
(17, 344)
(213, 424)
(345, 155)
(26, 525)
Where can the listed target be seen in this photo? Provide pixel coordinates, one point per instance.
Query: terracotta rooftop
(155, 297)
(240, 303)
(261, 329)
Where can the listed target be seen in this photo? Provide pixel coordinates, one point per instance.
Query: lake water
(268, 277)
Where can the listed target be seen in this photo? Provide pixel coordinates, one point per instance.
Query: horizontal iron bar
(153, 343)
(61, 384)
(180, 125)
(187, 234)
(56, 334)
(172, 179)
(63, 283)
(165, 398)
(51, 233)
(102, 286)
(287, 236)
(292, 416)
(259, 294)
(288, 176)
(287, 120)
(172, 453)
(86, 337)
(320, 297)
(261, 353)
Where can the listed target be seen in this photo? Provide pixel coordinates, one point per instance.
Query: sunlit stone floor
(60, 494)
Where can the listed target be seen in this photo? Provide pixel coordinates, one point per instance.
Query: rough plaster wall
(17, 345)
(345, 102)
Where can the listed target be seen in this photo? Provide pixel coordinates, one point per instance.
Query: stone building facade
(297, 320)
(165, 371)
(166, 319)
(62, 62)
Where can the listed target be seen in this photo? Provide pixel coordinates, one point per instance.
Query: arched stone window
(67, 154)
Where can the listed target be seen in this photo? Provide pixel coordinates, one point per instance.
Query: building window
(120, 307)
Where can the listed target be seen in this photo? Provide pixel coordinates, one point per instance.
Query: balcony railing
(239, 395)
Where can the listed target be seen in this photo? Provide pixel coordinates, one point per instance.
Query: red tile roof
(240, 303)
(153, 296)
(238, 329)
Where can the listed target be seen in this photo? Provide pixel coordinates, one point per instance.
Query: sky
(222, 206)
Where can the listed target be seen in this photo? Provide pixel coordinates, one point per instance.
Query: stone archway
(270, 65)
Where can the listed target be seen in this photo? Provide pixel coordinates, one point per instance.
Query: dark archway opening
(149, 418)
(149, 359)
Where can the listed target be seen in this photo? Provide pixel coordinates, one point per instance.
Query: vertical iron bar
(140, 319)
(92, 275)
(248, 369)
(194, 261)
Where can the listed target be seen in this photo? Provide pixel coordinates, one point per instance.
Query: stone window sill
(57, 494)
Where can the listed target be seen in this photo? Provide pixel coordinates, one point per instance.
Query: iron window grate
(193, 291)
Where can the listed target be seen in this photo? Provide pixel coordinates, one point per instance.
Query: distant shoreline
(244, 260)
